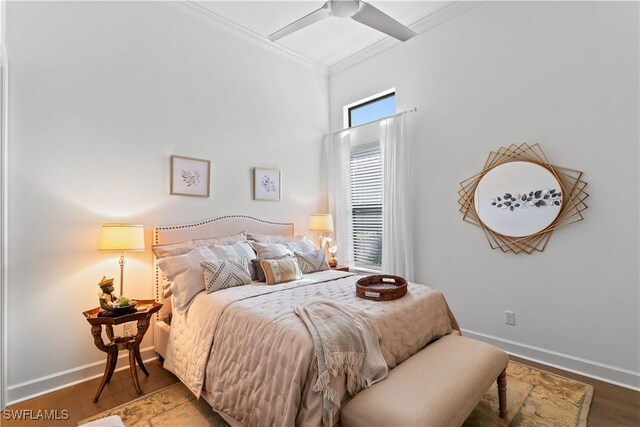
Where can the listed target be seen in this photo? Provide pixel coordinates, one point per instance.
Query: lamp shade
(321, 222)
(121, 238)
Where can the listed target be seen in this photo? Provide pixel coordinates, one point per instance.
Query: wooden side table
(146, 308)
(341, 268)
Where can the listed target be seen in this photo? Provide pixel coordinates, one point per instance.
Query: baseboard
(621, 377)
(33, 388)
(588, 368)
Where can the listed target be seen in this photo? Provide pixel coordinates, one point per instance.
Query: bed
(250, 357)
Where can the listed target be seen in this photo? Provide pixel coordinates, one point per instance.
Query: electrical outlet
(509, 318)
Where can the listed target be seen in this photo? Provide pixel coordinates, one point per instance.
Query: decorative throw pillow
(185, 274)
(311, 262)
(301, 246)
(236, 250)
(255, 263)
(271, 250)
(281, 270)
(173, 249)
(225, 273)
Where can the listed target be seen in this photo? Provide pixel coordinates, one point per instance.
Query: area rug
(534, 398)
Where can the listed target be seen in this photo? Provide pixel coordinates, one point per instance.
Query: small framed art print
(266, 184)
(190, 177)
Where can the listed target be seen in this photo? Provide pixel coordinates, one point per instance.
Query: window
(366, 207)
(380, 106)
(366, 177)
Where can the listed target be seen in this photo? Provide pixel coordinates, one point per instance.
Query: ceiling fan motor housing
(343, 8)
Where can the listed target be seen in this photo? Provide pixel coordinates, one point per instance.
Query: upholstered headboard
(221, 226)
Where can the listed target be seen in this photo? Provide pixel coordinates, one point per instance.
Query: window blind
(366, 206)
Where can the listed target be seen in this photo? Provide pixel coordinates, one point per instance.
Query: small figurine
(106, 297)
(332, 249)
(333, 262)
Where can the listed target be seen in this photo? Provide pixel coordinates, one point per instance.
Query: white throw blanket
(346, 341)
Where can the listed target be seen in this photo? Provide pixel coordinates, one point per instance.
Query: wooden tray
(381, 287)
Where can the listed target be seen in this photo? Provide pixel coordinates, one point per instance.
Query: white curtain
(397, 218)
(337, 151)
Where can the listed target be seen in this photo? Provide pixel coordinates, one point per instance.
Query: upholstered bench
(438, 386)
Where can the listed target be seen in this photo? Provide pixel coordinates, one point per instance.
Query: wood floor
(78, 399)
(612, 406)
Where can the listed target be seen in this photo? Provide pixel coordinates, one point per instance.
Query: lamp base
(332, 262)
(121, 262)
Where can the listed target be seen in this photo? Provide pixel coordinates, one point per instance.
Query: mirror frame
(571, 185)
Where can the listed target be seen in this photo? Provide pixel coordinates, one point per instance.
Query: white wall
(101, 94)
(562, 74)
(3, 205)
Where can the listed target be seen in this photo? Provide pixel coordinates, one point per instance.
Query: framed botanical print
(190, 177)
(266, 184)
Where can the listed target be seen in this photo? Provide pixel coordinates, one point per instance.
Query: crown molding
(446, 13)
(440, 16)
(216, 21)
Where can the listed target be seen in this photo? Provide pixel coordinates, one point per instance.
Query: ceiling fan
(354, 9)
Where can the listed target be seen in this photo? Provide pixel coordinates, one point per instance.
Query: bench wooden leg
(502, 393)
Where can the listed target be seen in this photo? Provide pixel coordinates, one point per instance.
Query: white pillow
(271, 250)
(173, 249)
(274, 238)
(166, 287)
(225, 273)
(301, 246)
(185, 274)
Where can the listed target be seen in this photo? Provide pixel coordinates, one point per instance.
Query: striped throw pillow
(236, 250)
(270, 250)
(225, 273)
(310, 262)
(255, 263)
(281, 270)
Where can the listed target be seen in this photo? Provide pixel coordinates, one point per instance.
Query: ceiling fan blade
(305, 21)
(378, 20)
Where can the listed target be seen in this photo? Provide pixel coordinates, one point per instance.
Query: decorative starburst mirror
(519, 198)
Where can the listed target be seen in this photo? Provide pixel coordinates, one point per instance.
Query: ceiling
(326, 42)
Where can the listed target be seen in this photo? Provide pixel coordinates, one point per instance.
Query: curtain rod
(412, 110)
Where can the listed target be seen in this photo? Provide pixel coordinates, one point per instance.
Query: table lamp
(322, 223)
(121, 238)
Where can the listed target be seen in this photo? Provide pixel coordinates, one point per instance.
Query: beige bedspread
(255, 357)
